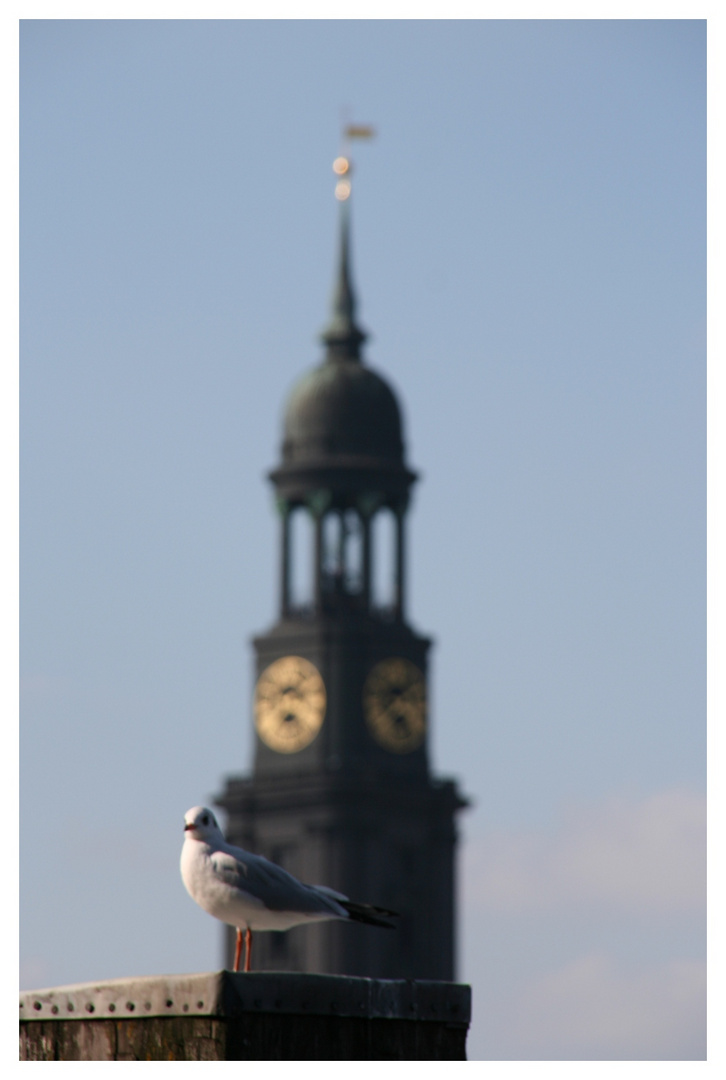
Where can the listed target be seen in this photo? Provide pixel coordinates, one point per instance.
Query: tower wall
(391, 843)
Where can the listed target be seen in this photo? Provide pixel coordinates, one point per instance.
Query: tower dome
(342, 410)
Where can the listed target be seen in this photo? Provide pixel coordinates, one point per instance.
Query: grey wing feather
(278, 890)
(327, 891)
(229, 870)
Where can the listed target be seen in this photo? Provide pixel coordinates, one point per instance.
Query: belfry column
(284, 510)
(400, 562)
(318, 567)
(365, 523)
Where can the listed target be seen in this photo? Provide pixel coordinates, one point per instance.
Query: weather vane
(342, 166)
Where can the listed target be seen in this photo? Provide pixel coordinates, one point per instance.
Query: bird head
(201, 824)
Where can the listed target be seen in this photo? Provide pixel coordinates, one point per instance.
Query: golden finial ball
(341, 166)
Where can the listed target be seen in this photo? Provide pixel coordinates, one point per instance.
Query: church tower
(341, 792)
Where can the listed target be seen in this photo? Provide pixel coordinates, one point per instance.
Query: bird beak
(189, 826)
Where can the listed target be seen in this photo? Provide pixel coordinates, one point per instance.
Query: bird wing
(327, 891)
(270, 884)
(229, 870)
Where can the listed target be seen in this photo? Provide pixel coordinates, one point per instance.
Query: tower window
(333, 550)
(383, 537)
(353, 552)
(302, 543)
(342, 552)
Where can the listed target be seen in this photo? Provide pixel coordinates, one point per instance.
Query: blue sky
(529, 255)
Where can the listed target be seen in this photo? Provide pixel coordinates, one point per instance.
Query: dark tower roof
(342, 428)
(340, 410)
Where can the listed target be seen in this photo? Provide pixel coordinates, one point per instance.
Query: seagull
(251, 893)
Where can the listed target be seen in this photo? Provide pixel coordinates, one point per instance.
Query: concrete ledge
(256, 1016)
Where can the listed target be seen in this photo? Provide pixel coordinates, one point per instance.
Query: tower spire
(342, 335)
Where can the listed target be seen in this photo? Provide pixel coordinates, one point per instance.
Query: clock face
(394, 703)
(289, 704)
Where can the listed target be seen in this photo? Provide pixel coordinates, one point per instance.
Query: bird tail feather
(369, 913)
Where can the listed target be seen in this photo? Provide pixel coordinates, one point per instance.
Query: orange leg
(238, 949)
(248, 948)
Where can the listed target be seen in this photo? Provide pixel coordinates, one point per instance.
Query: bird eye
(205, 820)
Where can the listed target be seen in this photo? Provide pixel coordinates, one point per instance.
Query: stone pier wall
(223, 1016)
